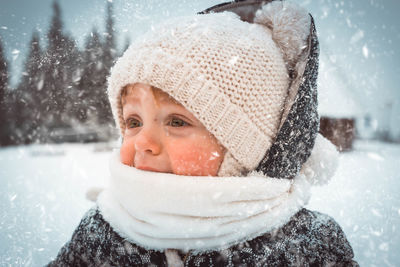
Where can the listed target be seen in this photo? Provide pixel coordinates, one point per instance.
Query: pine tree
(3, 92)
(53, 100)
(110, 50)
(110, 53)
(99, 58)
(30, 95)
(92, 80)
(72, 69)
(60, 60)
(3, 72)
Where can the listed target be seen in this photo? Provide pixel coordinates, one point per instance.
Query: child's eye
(133, 123)
(176, 122)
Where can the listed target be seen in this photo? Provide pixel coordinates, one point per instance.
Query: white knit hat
(229, 73)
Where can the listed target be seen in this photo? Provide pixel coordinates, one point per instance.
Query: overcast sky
(359, 41)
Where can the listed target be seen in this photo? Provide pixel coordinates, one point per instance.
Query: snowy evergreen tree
(73, 72)
(93, 107)
(91, 84)
(99, 56)
(30, 95)
(110, 51)
(63, 87)
(54, 99)
(3, 72)
(110, 54)
(3, 92)
(61, 65)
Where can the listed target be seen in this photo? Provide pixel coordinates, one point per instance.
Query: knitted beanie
(232, 75)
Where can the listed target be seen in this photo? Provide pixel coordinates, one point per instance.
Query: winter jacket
(309, 239)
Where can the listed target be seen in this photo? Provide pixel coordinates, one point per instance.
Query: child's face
(162, 136)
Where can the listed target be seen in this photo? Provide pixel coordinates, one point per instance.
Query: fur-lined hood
(294, 32)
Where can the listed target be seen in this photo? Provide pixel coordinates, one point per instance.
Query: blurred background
(57, 130)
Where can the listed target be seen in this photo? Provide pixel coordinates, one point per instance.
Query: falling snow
(43, 186)
(365, 51)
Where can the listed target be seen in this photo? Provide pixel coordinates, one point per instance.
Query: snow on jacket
(309, 239)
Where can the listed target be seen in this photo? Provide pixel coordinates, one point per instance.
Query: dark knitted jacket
(309, 239)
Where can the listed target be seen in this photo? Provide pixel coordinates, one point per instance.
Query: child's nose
(147, 140)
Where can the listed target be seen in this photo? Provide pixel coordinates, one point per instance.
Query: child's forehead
(136, 91)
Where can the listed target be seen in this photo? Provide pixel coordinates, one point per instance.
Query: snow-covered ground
(364, 197)
(42, 198)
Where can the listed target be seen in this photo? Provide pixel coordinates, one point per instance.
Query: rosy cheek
(195, 160)
(127, 151)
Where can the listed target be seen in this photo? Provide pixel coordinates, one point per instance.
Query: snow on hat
(231, 74)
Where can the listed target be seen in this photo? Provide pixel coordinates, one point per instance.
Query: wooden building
(337, 105)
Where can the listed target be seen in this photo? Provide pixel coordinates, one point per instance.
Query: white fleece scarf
(166, 211)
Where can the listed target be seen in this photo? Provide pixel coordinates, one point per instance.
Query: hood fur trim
(323, 162)
(290, 27)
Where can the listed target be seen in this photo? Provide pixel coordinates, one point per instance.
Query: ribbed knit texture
(230, 74)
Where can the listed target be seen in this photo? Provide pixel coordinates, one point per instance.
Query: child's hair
(244, 81)
(126, 90)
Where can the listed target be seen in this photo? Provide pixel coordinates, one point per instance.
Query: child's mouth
(146, 168)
